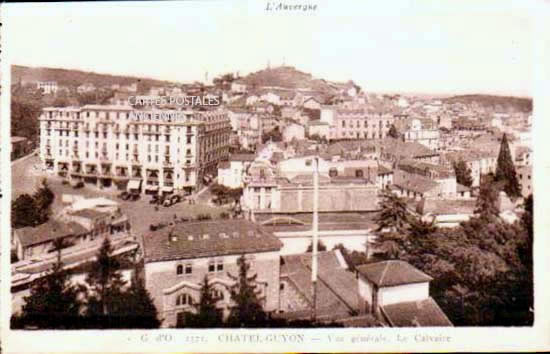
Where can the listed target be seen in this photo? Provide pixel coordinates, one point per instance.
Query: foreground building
(146, 151)
(178, 258)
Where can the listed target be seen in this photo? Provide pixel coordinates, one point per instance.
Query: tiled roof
(392, 273)
(88, 213)
(405, 149)
(224, 165)
(206, 239)
(446, 206)
(418, 184)
(48, 231)
(317, 122)
(423, 313)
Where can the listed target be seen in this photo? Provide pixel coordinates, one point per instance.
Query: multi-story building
(47, 87)
(148, 150)
(178, 259)
(361, 123)
(423, 135)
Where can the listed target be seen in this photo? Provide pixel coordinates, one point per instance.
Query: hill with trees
(495, 102)
(74, 78)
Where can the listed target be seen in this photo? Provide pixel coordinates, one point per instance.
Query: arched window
(184, 299)
(179, 269)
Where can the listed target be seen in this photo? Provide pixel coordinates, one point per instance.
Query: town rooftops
(207, 239)
(48, 231)
(317, 122)
(422, 313)
(392, 273)
(416, 183)
(406, 149)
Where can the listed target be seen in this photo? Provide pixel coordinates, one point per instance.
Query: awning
(134, 184)
(168, 189)
(152, 188)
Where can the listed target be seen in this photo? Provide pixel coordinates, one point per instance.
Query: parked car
(155, 199)
(124, 195)
(134, 197)
(78, 185)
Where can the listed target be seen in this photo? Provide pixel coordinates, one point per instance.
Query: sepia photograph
(270, 165)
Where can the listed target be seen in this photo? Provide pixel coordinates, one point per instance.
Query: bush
(201, 217)
(224, 215)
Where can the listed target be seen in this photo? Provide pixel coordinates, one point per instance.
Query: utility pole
(315, 233)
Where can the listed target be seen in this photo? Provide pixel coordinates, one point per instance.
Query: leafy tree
(486, 204)
(320, 246)
(207, 315)
(53, 302)
(24, 212)
(247, 310)
(463, 173)
(106, 285)
(506, 171)
(43, 199)
(393, 133)
(24, 116)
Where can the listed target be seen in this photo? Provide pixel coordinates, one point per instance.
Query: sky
(414, 46)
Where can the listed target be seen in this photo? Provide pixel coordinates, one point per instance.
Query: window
(218, 294)
(215, 265)
(359, 173)
(333, 172)
(184, 300)
(179, 269)
(282, 286)
(188, 268)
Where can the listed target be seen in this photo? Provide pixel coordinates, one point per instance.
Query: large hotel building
(143, 150)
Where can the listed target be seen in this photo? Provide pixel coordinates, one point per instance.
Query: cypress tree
(247, 311)
(506, 171)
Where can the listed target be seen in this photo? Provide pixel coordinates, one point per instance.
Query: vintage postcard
(311, 176)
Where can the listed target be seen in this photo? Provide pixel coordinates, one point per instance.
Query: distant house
(319, 128)
(47, 87)
(87, 87)
(312, 103)
(446, 212)
(238, 86)
(20, 146)
(524, 178)
(230, 173)
(293, 131)
(398, 294)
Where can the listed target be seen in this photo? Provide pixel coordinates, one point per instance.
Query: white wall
(403, 293)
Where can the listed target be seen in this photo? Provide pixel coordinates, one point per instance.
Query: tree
(486, 204)
(24, 212)
(53, 302)
(138, 309)
(393, 215)
(247, 311)
(207, 315)
(393, 132)
(43, 199)
(106, 285)
(506, 171)
(463, 173)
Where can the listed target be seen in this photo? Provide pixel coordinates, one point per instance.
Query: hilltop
(495, 102)
(74, 78)
(290, 78)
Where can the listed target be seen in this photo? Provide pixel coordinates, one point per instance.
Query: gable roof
(423, 313)
(392, 273)
(51, 230)
(189, 240)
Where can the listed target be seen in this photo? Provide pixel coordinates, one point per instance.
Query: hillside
(495, 102)
(287, 77)
(73, 78)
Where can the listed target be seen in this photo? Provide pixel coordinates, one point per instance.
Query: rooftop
(424, 313)
(48, 231)
(392, 273)
(207, 239)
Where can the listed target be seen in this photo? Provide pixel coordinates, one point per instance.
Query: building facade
(148, 150)
(356, 123)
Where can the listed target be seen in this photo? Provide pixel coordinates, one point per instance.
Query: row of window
(148, 137)
(214, 266)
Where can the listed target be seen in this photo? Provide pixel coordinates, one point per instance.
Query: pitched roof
(88, 213)
(392, 273)
(48, 231)
(417, 183)
(422, 313)
(446, 206)
(207, 239)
